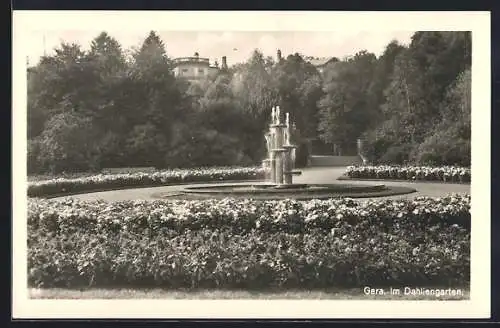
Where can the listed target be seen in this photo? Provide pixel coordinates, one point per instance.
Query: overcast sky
(237, 45)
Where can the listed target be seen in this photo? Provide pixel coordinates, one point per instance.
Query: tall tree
(60, 81)
(37, 112)
(403, 102)
(156, 99)
(457, 104)
(449, 142)
(108, 52)
(253, 86)
(345, 109)
(381, 78)
(299, 88)
(107, 63)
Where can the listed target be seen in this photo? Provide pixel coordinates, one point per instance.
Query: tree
(403, 98)
(310, 91)
(253, 87)
(436, 59)
(108, 52)
(158, 93)
(107, 63)
(456, 107)
(345, 109)
(383, 71)
(219, 110)
(58, 83)
(151, 101)
(151, 52)
(449, 142)
(37, 113)
(255, 94)
(69, 143)
(299, 88)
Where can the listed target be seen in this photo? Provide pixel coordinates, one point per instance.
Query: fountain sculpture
(281, 152)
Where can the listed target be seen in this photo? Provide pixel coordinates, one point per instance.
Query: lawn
(157, 293)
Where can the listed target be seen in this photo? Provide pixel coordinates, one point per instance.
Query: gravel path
(309, 175)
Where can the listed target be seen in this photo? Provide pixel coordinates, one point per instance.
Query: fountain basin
(266, 191)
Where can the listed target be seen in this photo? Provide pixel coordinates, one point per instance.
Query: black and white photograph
(251, 164)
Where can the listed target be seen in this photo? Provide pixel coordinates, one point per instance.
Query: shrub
(242, 216)
(397, 154)
(444, 149)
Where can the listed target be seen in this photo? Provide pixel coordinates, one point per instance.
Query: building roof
(189, 60)
(321, 61)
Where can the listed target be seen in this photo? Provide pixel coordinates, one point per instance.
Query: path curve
(313, 175)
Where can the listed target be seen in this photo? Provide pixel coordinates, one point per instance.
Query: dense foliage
(425, 173)
(248, 244)
(56, 186)
(102, 108)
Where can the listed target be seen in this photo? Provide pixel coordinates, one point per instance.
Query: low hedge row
(241, 216)
(221, 259)
(425, 173)
(142, 179)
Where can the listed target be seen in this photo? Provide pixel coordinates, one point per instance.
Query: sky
(237, 46)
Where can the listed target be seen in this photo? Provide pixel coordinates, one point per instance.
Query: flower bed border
(348, 178)
(410, 173)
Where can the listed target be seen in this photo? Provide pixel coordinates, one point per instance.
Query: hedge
(424, 173)
(219, 258)
(247, 244)
(140, 179)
